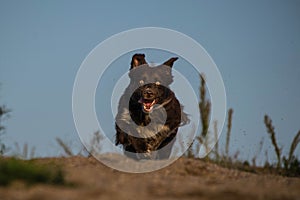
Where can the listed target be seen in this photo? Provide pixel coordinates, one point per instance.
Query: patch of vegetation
(3, 115)
(30, 172)
(65, 147)
(291, 165)
(286, 165)
(24, 153)
(94, 148)
(204, 109)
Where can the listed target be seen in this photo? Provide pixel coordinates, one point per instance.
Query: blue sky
(255, 44)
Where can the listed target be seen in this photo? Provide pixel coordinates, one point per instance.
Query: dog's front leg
(155, 142)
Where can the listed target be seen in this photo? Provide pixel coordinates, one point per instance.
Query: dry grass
(64, 146)
(188, 179)
(4, 114)
(205, 109)
(293, 146)
(23, 153)
(291, 165)
(216, 149)
(229, 125)
(271, 131)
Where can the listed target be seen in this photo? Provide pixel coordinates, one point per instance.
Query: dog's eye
(141, 82)
(157, 83)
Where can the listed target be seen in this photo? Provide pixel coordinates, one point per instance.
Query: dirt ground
(184, 179)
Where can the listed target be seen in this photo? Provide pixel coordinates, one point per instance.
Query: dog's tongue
(148, 105)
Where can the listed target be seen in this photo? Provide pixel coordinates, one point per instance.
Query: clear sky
(255, 44)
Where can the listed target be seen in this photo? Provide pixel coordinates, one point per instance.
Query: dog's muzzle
(148, 99)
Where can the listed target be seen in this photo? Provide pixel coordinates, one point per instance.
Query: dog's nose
(148, 91)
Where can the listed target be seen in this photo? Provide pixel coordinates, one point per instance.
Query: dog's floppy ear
(137, 60)
(170, 62)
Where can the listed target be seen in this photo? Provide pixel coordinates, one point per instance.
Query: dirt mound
(184, 179)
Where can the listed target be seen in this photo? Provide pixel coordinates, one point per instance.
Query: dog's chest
(157, 124)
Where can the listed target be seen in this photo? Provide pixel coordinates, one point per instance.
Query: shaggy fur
(149, 113)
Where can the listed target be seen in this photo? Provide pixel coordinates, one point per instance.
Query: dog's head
(152, 83)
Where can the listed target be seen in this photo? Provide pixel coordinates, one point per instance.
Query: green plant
(12, 169)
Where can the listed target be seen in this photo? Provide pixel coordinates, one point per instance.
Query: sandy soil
(184, 179)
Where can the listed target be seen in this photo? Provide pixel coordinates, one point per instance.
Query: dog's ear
(170, 62)
(137, 60)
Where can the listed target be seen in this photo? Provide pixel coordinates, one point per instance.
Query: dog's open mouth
(147, 104)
